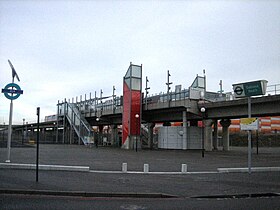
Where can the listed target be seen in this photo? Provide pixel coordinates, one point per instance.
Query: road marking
(154, 173)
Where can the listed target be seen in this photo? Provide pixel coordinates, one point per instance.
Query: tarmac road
(187, 189)
(68, 203)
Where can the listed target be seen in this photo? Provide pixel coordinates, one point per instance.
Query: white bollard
(124, 167)
(184, 168)
(146, 168)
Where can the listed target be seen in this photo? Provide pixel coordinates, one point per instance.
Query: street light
(97, 138)
(202, 110)
(26, 130)
(54, 124)
(23, 120)
(31, 130)
(136, 116)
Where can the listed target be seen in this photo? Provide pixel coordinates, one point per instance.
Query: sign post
(38, 138)
(9, 133)
(9, 91)
(249, 89)
(249, 138)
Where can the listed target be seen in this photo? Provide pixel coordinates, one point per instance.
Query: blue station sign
(12, 91)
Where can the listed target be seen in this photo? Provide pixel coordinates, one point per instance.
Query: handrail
(82, 119)
(273, 89)
(82, 125)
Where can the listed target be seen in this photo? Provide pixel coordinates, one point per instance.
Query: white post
(184, 168)
(146, 168)
(124, 167)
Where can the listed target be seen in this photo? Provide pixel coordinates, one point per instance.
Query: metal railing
(96, 106)
(80, 125)
(273, 89)
(93, 106)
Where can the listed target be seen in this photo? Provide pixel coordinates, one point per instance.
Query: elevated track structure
(79, 117)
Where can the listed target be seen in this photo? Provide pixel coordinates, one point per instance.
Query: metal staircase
(144, 135)
(80, 125)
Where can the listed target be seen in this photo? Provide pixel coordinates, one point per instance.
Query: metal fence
(273, 89)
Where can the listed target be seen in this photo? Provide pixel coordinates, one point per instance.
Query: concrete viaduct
(188, 112)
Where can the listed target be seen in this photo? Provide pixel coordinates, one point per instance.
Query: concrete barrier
(44, 167)
(253, 169)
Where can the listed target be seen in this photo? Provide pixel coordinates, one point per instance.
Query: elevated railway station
(130, 119)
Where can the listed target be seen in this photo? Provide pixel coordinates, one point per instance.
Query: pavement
(103, 175)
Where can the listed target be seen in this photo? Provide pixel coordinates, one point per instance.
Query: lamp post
(54, 124)
(37, 141)
(96, 139)
(23, 120)
(202, 110)
(137, 117)
(31, 132)
(26, 130)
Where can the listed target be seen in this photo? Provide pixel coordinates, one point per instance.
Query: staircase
(144, 135)
(80, 125)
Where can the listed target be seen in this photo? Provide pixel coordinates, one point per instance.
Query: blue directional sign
(12, 91)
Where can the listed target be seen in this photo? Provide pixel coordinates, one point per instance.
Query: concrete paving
(164, 177)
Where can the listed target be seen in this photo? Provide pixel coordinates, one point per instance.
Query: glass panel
(136, 84)
(201, 82)
(127, 75)
(136, 71)
(127, 81)
(194, 84)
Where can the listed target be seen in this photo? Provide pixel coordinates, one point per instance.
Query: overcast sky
(63, 49)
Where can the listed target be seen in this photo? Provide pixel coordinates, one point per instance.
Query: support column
(100, 134)
(151, 135)
(43, 134)
(71, 135)
(114, 135)
(215, 135)
(208, 135)
(225, 133)
(185, 130)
